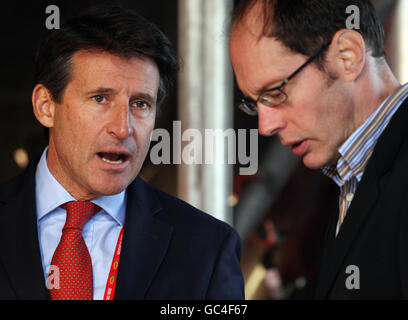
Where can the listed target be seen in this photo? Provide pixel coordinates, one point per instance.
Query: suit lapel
(327, 248)
(145, 242)
(337, 248)
(19, 247)
(364, 201)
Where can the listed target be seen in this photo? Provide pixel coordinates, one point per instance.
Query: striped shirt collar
(358, 148)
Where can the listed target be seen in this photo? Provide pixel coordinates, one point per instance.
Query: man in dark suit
(79, 223)
(320, 81)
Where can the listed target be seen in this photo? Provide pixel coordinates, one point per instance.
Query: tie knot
(78, 213)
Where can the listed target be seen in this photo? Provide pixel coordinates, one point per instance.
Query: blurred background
(280, 212)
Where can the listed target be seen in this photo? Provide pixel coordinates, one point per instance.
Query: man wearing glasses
(328, 93)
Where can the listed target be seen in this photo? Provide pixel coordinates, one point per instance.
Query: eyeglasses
(275, 96)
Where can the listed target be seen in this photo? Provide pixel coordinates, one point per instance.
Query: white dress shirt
(100, 233)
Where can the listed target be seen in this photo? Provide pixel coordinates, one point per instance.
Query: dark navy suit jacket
(369, 257)
(170, 250)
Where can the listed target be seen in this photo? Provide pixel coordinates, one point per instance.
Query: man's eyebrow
(263, 89)
(269, 86)
(145, 96)
(138, 95)
(101, 90)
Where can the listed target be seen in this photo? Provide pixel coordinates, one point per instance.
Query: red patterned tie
(72, 256)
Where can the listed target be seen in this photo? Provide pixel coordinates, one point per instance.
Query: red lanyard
(111, 283)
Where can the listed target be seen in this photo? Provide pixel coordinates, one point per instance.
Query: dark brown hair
(113, 29)
(304, 26)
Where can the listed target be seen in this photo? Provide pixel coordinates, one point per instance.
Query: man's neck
(376, 84)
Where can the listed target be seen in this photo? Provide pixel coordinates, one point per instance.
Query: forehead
(260, 62)
(104, 68)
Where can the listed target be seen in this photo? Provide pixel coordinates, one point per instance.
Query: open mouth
(300, 148)
(113, 158)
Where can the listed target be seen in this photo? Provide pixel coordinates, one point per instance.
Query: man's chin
(112, 190)
(313, 162)
(110, 187)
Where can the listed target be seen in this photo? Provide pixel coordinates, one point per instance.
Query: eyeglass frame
(250, 106)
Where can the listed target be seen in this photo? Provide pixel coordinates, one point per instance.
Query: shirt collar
(50, 194)
(351, 165)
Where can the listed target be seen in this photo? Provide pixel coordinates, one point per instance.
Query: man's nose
(120, 122)
(270, 120)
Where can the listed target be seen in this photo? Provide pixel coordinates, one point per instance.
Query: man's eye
(272, 98)
(272, 95)
(141, 105)
(99, 99)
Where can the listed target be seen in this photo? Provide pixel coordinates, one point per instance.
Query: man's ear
(43, 105)
(348, 54)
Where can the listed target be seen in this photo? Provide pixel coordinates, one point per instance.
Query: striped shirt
(358, 148)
